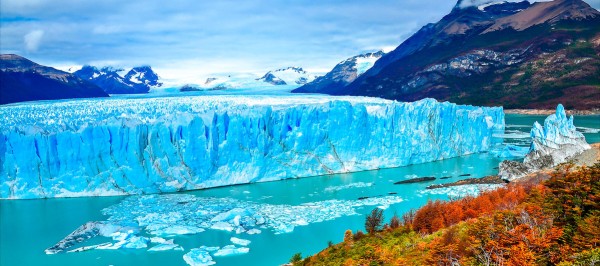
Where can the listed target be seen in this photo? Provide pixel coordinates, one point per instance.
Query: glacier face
(556, 142)
(152, 145)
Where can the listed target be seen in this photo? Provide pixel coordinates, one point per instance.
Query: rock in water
(415, 180)
(556, 142)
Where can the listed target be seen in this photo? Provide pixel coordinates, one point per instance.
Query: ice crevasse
(152, 145)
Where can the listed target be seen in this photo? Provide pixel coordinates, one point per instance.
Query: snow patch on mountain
(288, 76)
(118, 80)
(482, 4)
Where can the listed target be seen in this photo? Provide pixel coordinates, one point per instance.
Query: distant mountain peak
(25, 80)
(482, 4)
(546, 12)
(116, 80)
(509, 53)
(343, 73)
(287, 76)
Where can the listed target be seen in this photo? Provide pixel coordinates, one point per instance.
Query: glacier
(556, 142)
(151, 145)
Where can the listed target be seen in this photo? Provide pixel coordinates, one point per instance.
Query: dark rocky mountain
(23, 80)
(137, 80)
(342, 74)
(272, 79)
(518, 55)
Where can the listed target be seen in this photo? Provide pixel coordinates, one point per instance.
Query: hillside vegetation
(555, 222)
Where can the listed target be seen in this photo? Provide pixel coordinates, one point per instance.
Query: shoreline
(587, 158)
(550, 111)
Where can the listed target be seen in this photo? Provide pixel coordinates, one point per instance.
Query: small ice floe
(200, 256)
(231, 250)
(239, 241)
(164, 244)
(342, 187)
(588, 130)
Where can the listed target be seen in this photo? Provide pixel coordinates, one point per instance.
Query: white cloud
(33, 39)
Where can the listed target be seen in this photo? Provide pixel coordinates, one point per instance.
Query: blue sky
(187, 39)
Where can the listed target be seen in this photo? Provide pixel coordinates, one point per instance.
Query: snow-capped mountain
(118, 81)
(343, 73)
(287, 76)
(291, 77)
(511, 53)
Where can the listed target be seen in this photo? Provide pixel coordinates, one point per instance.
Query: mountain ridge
(137, 80)
(459, 59)
(24, 80)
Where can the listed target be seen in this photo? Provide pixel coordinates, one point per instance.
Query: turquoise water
(28, 227)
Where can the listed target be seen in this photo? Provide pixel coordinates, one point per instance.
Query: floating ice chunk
(164, 244)
(198, 257)
(353, 185)
(239, 241)
(411, 176)
(163, 247)
(231, 214)
(588, 130)
(222, 226)
(231, 250)
(86, 248)
(172, 230)
(253, 231)
(83, 233)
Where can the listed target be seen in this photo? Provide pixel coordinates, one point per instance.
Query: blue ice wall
(136, 146)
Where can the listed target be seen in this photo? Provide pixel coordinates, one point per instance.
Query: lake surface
(28, 227)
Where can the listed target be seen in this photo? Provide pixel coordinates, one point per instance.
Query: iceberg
(239, 241)
(164, 244)
(151, 145)
(231, 250)
(556, 142)
(199, 257)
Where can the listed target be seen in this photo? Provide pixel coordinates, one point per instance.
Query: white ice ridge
(556, 142)
(152, 145)
(131, 221)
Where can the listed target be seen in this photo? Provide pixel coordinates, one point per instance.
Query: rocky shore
(556, 142)
(491, 179)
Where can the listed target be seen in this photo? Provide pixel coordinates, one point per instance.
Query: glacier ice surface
(556, 142)
(150, 145)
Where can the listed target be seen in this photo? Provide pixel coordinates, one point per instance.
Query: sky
(192, 40)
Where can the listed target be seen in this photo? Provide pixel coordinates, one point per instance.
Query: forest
(555, 221)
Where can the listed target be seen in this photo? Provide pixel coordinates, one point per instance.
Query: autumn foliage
(556, 222)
